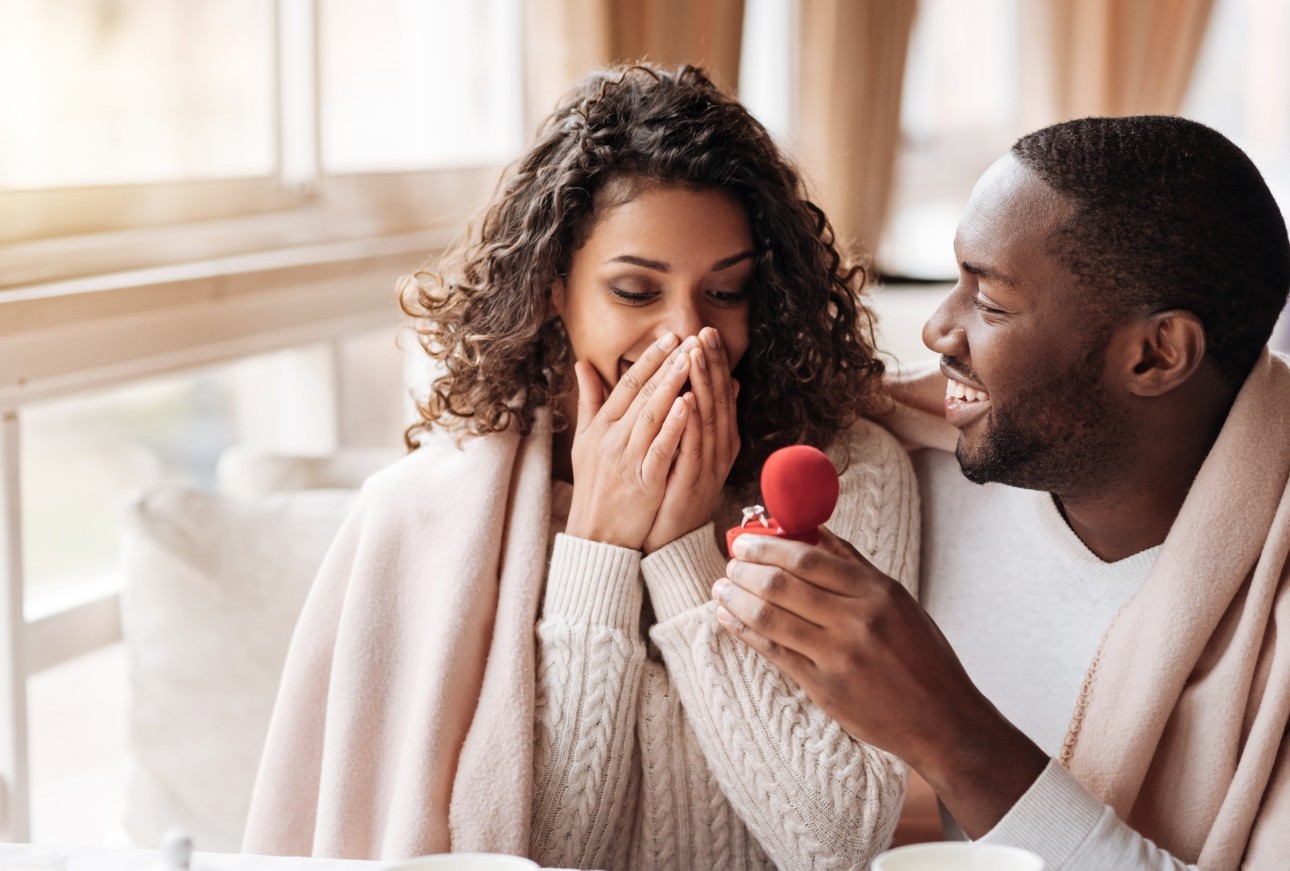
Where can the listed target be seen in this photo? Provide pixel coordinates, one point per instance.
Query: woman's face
(669, 259)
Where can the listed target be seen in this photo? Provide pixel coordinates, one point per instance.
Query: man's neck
(1136, 508)
(1117, 526)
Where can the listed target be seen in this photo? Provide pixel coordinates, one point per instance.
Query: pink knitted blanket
(404, 722)
(1183, 729)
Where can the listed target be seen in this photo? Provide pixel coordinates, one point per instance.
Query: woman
(648, 308)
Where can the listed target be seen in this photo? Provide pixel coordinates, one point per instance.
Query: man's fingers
(791, 662)
(591, 394)
(845, 573)
(785, 590)
(777, 625)
(838, 546)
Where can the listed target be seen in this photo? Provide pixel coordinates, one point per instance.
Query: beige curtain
(852, 62)
(566, 38)
(1114, 57)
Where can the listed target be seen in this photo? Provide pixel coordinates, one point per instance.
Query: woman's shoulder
(878, 504)
(866, 448)
(442, 467)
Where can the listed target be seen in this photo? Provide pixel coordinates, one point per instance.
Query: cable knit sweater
(675, 745)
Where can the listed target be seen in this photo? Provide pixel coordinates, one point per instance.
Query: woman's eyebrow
(731, 261)
(660, 266)
(656, 265)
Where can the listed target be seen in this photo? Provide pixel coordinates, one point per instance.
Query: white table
(105, 859)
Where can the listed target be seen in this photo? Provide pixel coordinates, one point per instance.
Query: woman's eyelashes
(728, 298)
(634, 297)
(723, 298)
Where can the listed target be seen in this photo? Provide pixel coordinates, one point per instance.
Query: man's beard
(1058, 436)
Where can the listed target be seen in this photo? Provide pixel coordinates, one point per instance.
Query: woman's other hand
(624, 446)
(708, 447)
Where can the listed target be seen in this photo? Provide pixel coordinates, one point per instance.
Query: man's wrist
(982, 771)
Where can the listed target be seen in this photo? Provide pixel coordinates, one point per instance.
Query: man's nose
(943, 332)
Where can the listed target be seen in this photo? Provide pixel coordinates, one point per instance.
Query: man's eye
(633, 297)
(986, 307)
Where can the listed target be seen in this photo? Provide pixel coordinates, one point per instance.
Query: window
(960, 109)
(91, 92)
(304, 120)
(408, 84)
(1241, 86)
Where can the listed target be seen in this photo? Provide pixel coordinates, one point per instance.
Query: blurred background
(204, 208)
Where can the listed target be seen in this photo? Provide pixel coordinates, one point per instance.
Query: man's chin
(974, 468)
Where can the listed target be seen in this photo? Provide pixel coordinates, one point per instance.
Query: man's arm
(866, 652)
(863, 648)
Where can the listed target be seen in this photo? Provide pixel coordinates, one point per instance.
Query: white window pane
(768, 64)
(416, 84)
(1241, 86)
(119, 91)
(83, 458)
(962, 72)
(959, 111)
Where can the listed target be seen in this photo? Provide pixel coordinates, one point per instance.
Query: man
(1112, 686)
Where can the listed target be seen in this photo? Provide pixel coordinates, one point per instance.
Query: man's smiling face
(1022, 345)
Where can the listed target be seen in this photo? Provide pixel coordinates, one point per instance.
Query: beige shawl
(1184, 717)
(404, 722)
(1182, 721)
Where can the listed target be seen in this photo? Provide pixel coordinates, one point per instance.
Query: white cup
(957, 856)
(467, 862)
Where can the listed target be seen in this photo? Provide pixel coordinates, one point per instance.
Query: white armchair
(214, 584)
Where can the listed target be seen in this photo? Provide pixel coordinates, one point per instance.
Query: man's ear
(1162, 351)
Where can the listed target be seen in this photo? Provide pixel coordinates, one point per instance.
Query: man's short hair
(1168, 214)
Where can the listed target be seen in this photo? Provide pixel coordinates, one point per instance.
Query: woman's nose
(684, 320)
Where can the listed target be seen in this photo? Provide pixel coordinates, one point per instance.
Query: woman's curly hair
(810, 369)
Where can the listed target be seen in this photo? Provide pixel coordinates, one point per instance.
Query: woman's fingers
(662, 451)
(690, 455)
(705, 401)
(635, 379)
(725, 426)
(591, 395)
(655, 398)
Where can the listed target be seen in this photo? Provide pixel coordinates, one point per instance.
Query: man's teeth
(956, 390)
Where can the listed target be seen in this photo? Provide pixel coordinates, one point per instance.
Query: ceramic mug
(467, 862)
(957, 856)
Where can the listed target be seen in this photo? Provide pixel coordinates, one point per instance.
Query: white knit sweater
(675, 745)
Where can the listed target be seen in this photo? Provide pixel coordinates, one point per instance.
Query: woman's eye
(727, 297)
(633, 297)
